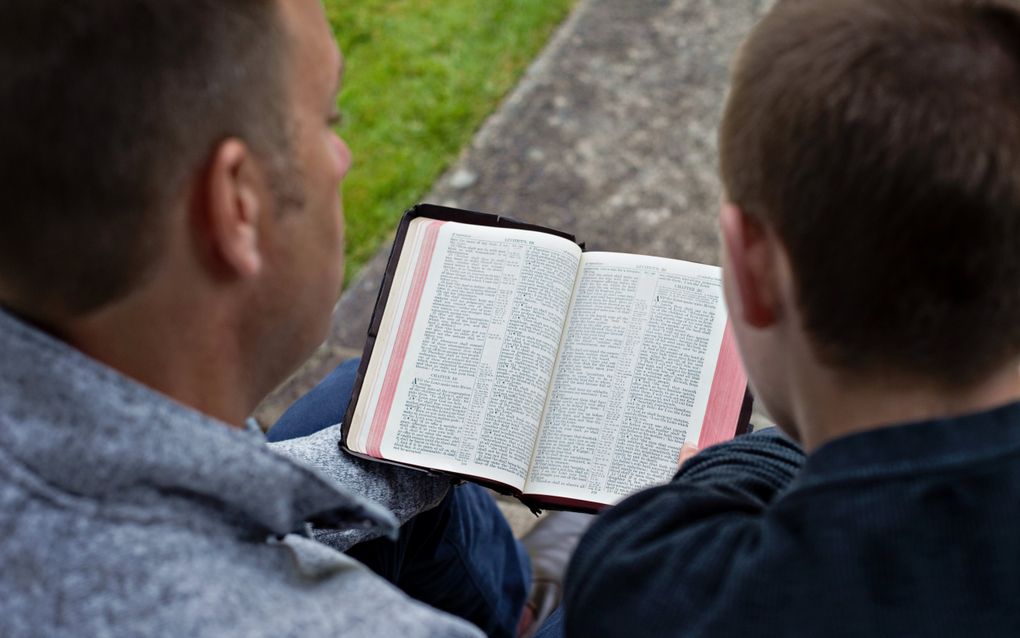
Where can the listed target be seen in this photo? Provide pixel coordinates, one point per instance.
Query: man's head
(107, 109)
(878, 143)
(161, 155)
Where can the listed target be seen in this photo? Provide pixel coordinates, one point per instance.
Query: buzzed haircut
(880, 140)
(107, 109)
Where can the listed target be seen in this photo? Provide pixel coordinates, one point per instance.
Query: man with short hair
(870, 153)
(171, 248)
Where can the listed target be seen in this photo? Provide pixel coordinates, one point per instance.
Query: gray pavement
(610, 136)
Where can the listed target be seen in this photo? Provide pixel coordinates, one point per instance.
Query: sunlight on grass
(421, 77)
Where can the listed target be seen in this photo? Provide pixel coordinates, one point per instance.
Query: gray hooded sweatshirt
(123, 513)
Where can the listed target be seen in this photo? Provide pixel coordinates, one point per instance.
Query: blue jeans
(460, 557)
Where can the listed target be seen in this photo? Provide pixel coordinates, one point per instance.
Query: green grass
(421, 76)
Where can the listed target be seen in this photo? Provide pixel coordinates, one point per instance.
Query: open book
(502, 353)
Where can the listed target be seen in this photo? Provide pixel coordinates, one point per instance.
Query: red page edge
(396, 363)
(726, 396)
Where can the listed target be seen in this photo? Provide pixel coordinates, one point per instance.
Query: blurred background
(421, 77)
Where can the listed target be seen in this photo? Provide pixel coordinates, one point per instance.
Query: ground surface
(610, 135)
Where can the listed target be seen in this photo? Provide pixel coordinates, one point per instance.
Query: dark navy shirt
(912, 530)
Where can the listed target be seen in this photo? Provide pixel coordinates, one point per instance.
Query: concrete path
(610, 136)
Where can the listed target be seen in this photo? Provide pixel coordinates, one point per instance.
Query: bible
(505, 354)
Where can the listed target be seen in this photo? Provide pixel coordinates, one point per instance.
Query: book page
(632, 378)
(469, 355)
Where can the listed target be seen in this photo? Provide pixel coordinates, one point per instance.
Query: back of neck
(834, 406)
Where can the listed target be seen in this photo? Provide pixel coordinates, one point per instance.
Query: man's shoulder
(123, 513)
(77, 569)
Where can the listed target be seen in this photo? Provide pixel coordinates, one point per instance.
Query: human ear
(750, 260)
(234, 199)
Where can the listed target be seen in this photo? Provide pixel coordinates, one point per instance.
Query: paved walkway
(610, 136)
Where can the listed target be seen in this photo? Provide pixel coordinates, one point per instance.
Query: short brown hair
(881, 140)
(106, 110)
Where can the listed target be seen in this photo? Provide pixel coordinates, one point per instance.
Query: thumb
(687, 451)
